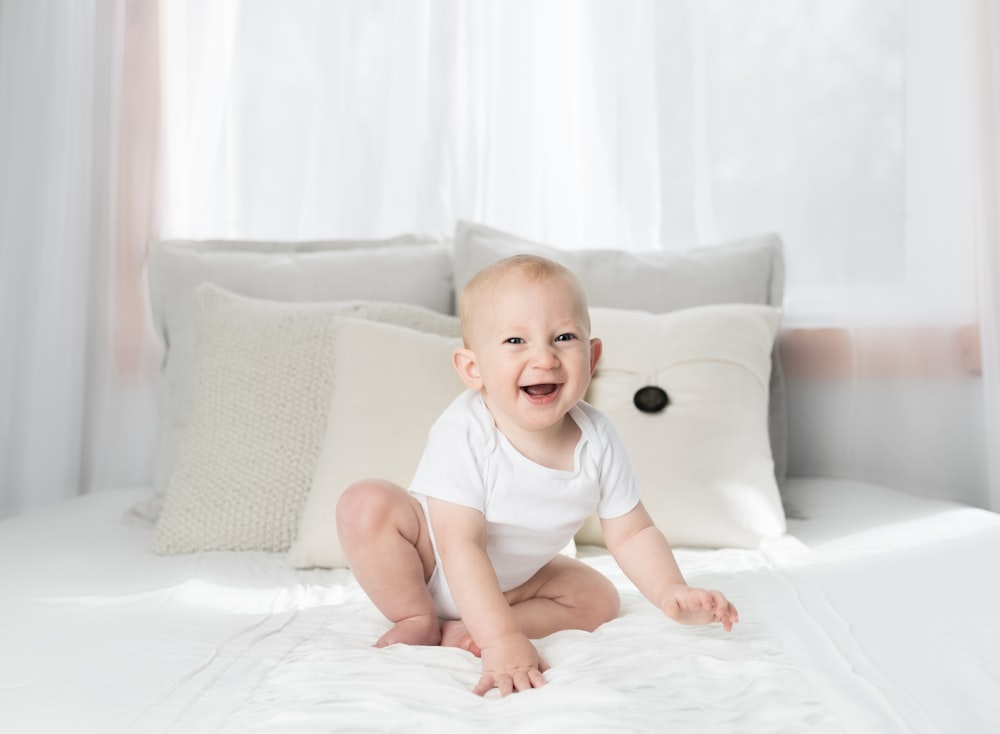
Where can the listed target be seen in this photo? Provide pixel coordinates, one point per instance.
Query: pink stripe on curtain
(137, 192)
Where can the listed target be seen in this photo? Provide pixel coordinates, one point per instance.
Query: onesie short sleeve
(451, 466)
(618, 481)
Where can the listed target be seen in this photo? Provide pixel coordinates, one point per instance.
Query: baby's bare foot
(454, 634)
(421, 630)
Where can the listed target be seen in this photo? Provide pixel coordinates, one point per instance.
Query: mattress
(877, 613)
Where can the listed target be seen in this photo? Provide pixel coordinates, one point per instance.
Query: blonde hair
(533, 268)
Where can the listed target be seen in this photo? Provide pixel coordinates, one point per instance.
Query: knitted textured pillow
(260, 391)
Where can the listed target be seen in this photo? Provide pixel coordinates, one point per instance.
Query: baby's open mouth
(537, 391)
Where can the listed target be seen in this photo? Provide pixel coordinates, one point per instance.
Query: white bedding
(878, 613)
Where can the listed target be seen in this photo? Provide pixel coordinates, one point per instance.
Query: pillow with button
(688, 392)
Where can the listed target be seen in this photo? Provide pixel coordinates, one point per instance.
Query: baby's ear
(596, 348)
(467, 368)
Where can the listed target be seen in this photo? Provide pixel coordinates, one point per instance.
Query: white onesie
(531, 511)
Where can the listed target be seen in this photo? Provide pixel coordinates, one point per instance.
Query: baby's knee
(363, 507)
(601, 603)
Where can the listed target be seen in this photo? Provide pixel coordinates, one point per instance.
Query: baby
(511, 470)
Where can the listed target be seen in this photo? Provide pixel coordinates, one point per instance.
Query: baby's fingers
(507, 684)
(502, 682)
(485, 685)
(703, 604)
(725, 612)
(530, 679)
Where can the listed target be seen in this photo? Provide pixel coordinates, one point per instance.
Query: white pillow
(413, 269)
(260, 389)
(704, 462)
(750, 270)
(390, 385)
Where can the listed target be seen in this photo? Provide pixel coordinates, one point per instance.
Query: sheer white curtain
(864, 133)
(854, 129)
(312, 118)
(54, 208)
(841, 124)
(74, 415)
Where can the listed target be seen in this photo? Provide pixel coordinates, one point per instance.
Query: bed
(874, 614)
(217, 600)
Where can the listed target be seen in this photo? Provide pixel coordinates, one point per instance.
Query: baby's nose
(546, 358)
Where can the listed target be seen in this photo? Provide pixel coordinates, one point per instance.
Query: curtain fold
(127, 358)
(54, 222)
(377, 117)
(988, 240)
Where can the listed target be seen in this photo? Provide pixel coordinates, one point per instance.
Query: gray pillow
(412, 269)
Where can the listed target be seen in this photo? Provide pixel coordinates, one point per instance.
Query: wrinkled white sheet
(865, 621)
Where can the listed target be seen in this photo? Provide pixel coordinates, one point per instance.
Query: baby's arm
(646, 558)
(510, 660)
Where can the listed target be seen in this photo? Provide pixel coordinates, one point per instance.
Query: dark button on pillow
(651, 399)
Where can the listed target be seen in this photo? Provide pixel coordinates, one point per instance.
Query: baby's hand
(698, 606)
(510, 664)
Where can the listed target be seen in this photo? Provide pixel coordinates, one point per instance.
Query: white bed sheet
(908, 592)
(867, 620)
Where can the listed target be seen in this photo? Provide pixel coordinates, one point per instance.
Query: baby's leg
(384, 535)
(564, 594)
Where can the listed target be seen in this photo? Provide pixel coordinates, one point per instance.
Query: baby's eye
(565, 337)
(514, 340)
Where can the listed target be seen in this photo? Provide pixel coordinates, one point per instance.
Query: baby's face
(531, 340)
